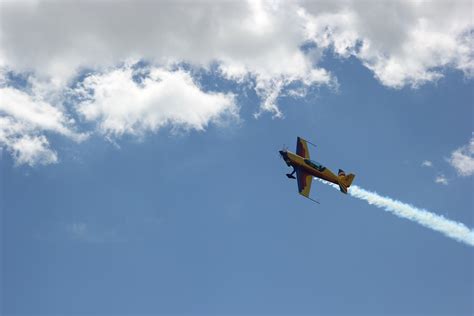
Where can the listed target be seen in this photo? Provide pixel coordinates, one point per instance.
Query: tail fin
(344, 181)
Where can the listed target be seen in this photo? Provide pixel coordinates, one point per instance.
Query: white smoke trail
(452, 229)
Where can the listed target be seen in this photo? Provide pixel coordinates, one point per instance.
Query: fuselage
(311, 167)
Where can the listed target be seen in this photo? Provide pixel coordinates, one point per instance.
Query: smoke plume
(449, 228)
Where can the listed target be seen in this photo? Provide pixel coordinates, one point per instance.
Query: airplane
(306, 169)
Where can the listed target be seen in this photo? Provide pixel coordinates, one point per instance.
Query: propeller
(284, 148)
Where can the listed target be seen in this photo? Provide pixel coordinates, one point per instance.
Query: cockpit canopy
(315, 164)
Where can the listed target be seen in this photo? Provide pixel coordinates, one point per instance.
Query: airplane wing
(302, 148)
(304, 182)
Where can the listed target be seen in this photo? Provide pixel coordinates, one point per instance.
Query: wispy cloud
(441, 179)
(427, 163)
(462, 159)
(24, 119)
(84, 232)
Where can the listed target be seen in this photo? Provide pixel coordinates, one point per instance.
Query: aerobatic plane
(306, 169)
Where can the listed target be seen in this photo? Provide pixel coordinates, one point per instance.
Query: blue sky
(144, 205)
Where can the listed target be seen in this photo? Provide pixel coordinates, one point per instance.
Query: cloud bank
(402, 42)
(268, 45)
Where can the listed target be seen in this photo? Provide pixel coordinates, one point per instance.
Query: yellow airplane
(306, 169)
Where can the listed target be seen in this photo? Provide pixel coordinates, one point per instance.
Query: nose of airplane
(284, 156)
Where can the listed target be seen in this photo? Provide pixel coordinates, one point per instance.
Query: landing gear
(291, 175)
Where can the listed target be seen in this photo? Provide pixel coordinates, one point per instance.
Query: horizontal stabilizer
(345, 181)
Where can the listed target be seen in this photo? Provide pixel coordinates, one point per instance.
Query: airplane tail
(344, 181)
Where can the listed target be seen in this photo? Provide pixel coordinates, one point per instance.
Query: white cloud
(23, 120)
(34, 112)
(427, 163)
(404, 43)
(32, 150)
(441, 179)
(253, 39)
(462, 159)
(121, 106)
